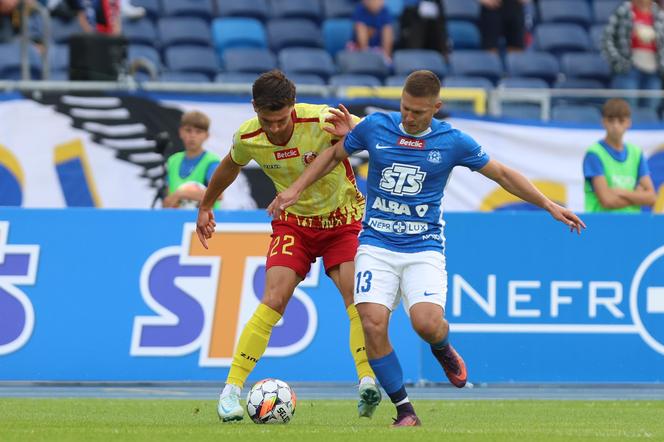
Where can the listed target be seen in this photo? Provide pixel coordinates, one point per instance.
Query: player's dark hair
(616, 108)
(273, 91)
(422, 84)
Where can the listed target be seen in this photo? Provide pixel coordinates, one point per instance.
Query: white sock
(403, 401)
(367, 380)
(230, 388)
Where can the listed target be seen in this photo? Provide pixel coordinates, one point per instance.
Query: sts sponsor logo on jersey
(402, 179)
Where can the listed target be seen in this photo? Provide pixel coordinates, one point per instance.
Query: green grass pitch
(147, 420)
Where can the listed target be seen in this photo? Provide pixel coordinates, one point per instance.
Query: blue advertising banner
(110, 295)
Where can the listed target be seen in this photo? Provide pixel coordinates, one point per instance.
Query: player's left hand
(567, 217)
(283, 200)
(342, 122)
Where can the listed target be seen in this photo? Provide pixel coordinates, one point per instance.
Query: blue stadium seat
(354, 80)
(576, 113)
(238, 32)
(395, 7)
(533, 64)
(59, 75)
(396, 80)
(152, 7)
(406, 61)
(188, 8)
(578, 83)
(559, 38)
(184, 31)
(459, 81)
(596, 36)
(146, 53)
(58, 58)
(464, 35)
(586, 65)
(140, 31)
(307, 61)
(462, 10)
(338, 8)
(61, 30)
(192, 59)
(10, 61)
(523, 83)
(293, 32)
(565, 11)
(253, 60)
(477, 64)
(521, 111)
(184, 77)
(603, 9)
(337, 32)
(306, 9)
(236, 78)
(306, 79)
(370, 63)
(644, 115)
(257, 9)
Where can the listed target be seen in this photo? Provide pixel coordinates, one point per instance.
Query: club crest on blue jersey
(434, 157)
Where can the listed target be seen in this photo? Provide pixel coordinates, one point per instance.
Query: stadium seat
(603, 9)
(253, 60)
(59, 75)
(147, 53)
(140, 31)
(337, 32)
(184, 31)
(303, 9)
(565, 11)
(559, 38)
(306, 79)
(521, 111)
(61, 30)
(477, 64)
(523, 83)
(586, 65)
(395, 80)
(370, 63)
(644, 115)
(464, 35)
(460, 81)
(570, 113)
(462, 10)
(293, 32)
(338, 8)
(188, 8)
(257, 9)
(58, 57)
(596, 36)
(184, 77)
(192, 59)
(10, 61)
(533, 64)
(406, 61)
(395, 7)
(238, 32)
(152, 7)
(307, 61)
(354, 80)
(578, 83)
(236, 78)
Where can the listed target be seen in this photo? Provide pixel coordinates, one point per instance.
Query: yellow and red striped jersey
(331, 201)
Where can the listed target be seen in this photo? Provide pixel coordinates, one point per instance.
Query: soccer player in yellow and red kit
(283, 139)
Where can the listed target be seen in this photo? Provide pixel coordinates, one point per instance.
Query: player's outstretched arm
(320, 167)
(517, 184)
(223, 176)
(342, 121)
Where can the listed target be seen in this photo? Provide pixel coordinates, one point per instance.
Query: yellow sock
(252, 344)
(357, 346)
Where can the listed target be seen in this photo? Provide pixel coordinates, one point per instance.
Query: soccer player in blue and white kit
(411, 156)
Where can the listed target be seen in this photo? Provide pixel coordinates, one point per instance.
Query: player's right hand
(205, 225)
(283, 200)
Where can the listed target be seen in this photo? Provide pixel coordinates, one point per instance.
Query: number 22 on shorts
(282, 244)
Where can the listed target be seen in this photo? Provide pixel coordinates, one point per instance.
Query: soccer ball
(271, 401)
(190, 204)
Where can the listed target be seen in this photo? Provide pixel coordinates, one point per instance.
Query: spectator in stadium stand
(616, 174)
(633, 44)
(423, 25)
(372, 23)
(8, 9)
(503, 18)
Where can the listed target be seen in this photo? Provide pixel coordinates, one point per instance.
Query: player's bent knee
(276, 300)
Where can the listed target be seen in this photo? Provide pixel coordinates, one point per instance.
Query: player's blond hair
(422, 84)
(195, 119)
(616, 108)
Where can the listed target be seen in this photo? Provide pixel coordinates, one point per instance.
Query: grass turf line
(145, 420)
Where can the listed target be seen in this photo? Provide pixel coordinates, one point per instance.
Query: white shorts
(384, 277)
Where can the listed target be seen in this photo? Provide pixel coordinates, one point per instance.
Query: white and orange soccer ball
(271, 401)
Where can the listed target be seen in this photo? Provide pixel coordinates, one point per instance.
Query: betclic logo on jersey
(285, 154)
(412, 143)
(565, 306)
(201, 298)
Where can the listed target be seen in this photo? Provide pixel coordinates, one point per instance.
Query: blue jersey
(407, 177)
